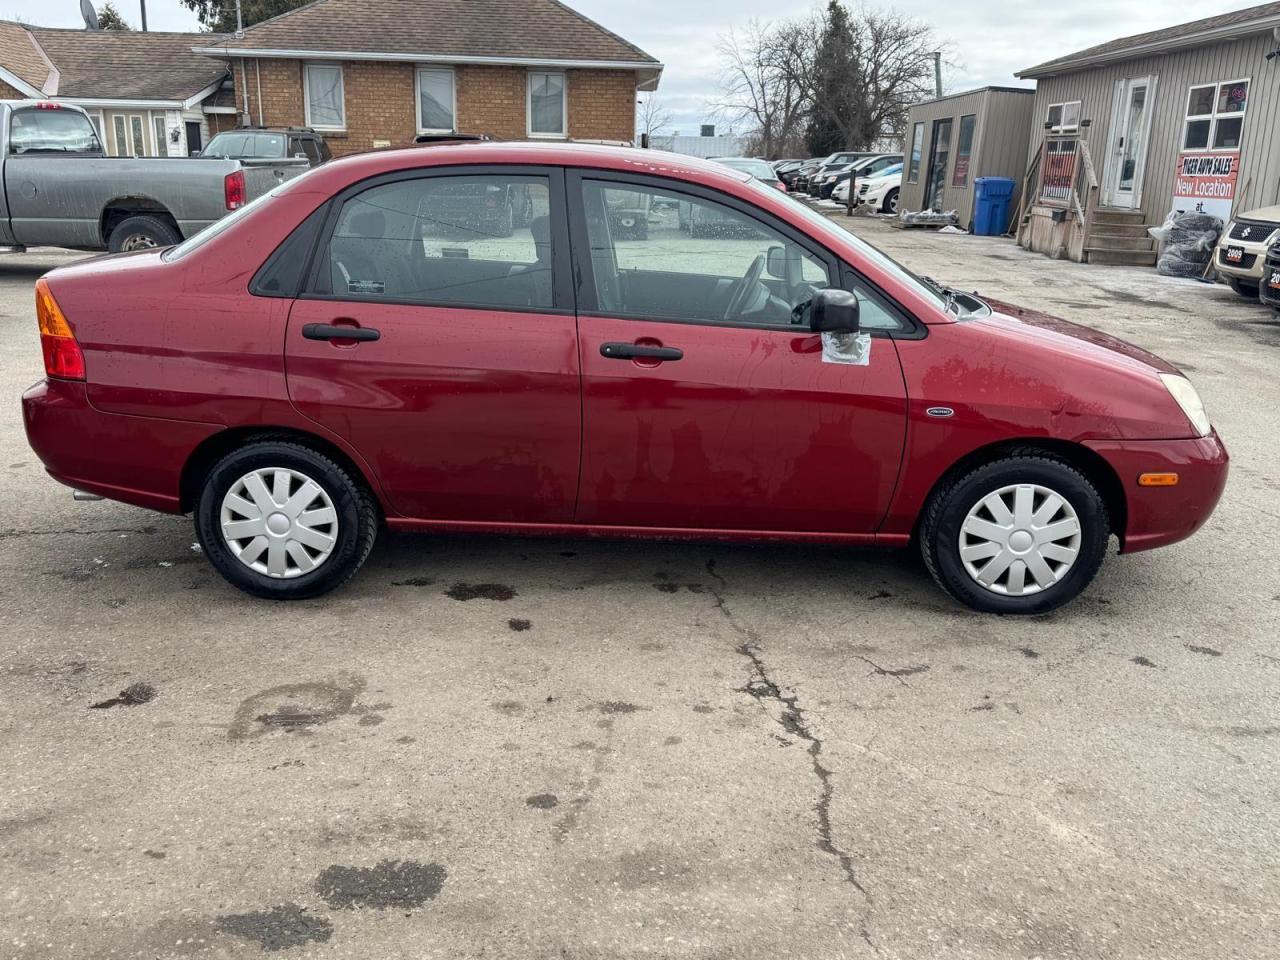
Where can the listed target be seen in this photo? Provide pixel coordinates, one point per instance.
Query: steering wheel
(743, 288)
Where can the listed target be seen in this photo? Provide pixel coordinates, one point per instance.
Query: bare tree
(758, 89)
(652, 117)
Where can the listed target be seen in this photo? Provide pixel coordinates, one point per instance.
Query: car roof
(623, 159)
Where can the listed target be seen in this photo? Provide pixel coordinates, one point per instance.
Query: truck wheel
(281, 521)
(1244, 288)
(141, 232)
(1022, 535)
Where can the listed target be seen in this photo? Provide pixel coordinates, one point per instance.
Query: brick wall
(380, 102)
(9, 93)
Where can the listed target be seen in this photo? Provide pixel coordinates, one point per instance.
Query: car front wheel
(1021, 535)
(890, 204)
(282, 521)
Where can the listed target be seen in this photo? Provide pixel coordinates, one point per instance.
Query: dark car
(269, 143)
(866, 167)
(319, 366)
(827, 164)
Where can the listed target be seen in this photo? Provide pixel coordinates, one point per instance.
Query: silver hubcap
(1020, 539)
(138, 241)
(279, 522)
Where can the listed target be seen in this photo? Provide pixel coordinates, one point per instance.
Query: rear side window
(268, 145)
(227, 145)
(51, 131)
(477, 241)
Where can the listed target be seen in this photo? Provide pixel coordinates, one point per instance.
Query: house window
(122, 136)
(436, 104)
(162, 141)
(96, 119)
(1063, 117)
(325, 102)
(547, 105)
(964, 149)
(1215, 116)
(139, 142)
(913, 155)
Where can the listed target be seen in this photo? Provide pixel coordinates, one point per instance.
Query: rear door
(440, 341)
(707, 404)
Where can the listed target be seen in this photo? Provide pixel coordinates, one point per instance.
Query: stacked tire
(1189, 244)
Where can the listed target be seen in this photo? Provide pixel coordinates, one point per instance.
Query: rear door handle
(330, 331)
(639, 351)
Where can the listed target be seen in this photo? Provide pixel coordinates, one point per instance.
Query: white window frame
(1213, 116)
(1062, 114)
(564, 105)
(342, 95)
(161, 142)
(138, 149)
(453, 89)
(120, 143)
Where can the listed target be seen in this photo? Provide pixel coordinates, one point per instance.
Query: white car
(880, 192)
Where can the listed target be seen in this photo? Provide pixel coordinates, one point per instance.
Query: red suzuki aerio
(571, 340)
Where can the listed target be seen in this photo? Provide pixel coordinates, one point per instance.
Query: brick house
(376, 73)
(149, 94)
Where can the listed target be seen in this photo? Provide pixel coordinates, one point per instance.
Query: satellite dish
(90, 15)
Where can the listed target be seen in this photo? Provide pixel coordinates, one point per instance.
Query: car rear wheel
(141, 232)
(1244, 288)
(1021, 535)
(281, 521)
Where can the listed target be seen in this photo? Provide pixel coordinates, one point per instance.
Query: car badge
(940, 412)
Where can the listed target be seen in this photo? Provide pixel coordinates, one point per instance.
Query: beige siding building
(954, 140)
(1177, 119)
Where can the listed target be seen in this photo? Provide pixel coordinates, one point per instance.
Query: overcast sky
(987, 41)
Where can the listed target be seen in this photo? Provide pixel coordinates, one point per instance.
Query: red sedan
(461, 338)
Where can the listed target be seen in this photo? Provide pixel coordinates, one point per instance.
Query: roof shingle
(18, 55)
(511, 29)
(129, 65)
(1183, 31)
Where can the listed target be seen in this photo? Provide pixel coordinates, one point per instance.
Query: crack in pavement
(792, 719)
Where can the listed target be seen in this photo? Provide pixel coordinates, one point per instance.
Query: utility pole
(144, 15)
(937, 73)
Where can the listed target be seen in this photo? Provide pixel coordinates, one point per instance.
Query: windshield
(927, 288)
(198, 240)
(51, 130)
(757, 168)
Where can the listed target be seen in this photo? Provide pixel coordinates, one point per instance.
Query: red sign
(1206, 183)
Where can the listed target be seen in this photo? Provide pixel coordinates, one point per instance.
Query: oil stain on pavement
(133, 695)
(480, 591)
(278, 928)
(295, 706)
(392, 884)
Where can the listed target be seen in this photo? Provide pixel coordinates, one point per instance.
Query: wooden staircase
(1119, 237)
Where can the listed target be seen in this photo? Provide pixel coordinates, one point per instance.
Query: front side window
(964, 149)
(917, 147)
(435, 101)
(665, 255)
(52, 131)
(1063, 117)
(547, 103)
(1215, 116)
(476, 241)
(325, 100)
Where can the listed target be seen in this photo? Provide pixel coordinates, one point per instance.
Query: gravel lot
(534, 749)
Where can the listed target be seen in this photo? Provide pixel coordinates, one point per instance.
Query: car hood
(1055, 334)
(1261, 214)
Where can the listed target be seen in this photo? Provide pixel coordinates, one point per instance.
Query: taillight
(233, 189)
(48, 105)
(62, 356)
(780, 185)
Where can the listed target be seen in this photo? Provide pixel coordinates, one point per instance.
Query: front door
(939, 156)
(707, 404)
(438, 338)
(1127, 156)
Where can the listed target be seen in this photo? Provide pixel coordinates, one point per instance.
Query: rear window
(227, 145)
(53, 131)
(757, 168)
(268, 145)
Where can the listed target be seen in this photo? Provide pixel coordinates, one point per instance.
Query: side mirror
(833, 311)
(776, 263)
(299, 156)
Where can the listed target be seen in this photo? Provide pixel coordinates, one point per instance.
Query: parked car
(866, 167)
(879, 193)
(786, 170)
(760, 169)
(800, 180)
(1269, 289)
(1242, 249)
(62, 190)
(335, 372)
(269, 143)
(828, 164)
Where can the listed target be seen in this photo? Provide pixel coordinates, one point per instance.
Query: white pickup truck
(60, 189)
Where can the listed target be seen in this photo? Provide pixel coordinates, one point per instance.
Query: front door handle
(639, 351)
(332, 331)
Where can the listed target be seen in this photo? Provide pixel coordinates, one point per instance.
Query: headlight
(1181, 390)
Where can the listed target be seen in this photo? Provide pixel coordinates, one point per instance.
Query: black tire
(355, 508)
(890, 203)
(1245, 288)
(950, 504)
(142, 232)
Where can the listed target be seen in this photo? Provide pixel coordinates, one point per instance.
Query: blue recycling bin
(993, 195)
